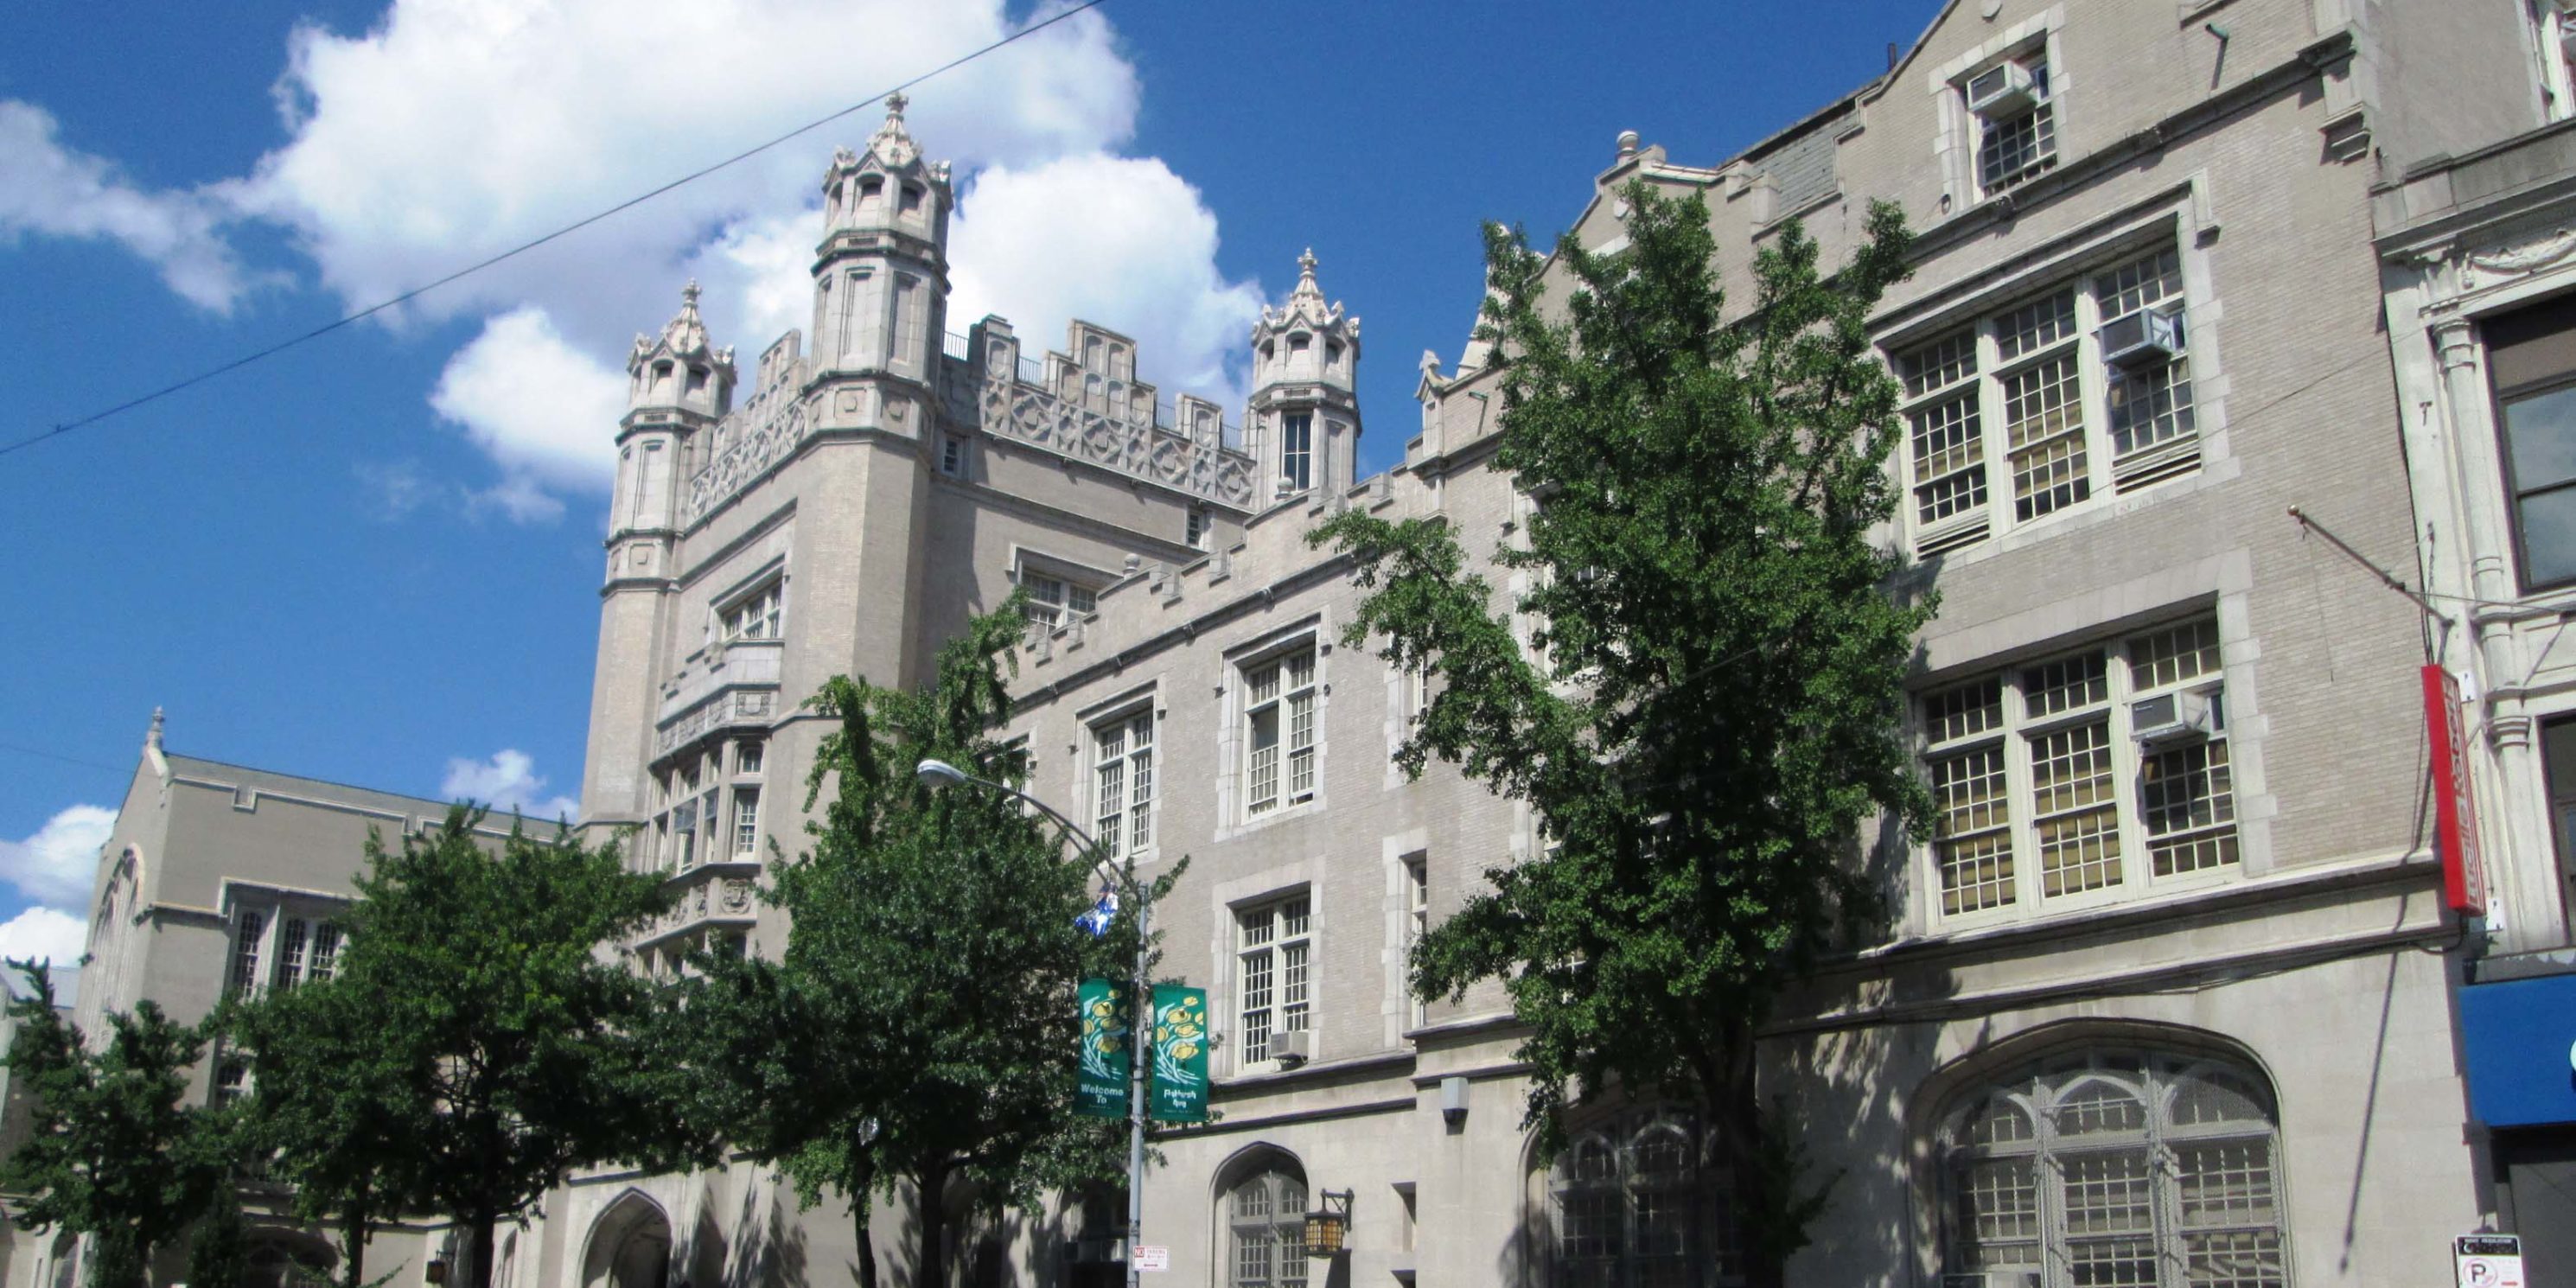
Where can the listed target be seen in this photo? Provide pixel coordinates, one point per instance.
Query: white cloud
(541, 409)
(50, 190)
(46, 934)
(508, 781)
(60, 862)
(1121, 241)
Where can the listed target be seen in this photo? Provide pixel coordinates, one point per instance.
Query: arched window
(1636, 1200)
(2116, 1168)
(1265, 1226)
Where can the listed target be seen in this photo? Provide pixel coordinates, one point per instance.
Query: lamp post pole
(1140, 1018)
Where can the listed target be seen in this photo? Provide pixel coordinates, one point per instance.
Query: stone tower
(881, 272)
(1305, 413)
(678, 386)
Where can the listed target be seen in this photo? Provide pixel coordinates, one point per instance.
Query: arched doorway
(630, 1246)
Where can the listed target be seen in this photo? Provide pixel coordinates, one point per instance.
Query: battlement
(1087, 404)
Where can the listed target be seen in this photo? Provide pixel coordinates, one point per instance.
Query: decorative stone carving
(1023, 412)
(737, 895)
(758, 434)
(745, 706)
(2516, 260)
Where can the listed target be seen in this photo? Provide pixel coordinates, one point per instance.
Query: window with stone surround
(1638, 1198)
(1297, 451)
(1265, 1226)
(2532, 360)
(1273, 984)
(280, 943)
(2014, 120)
(746, 822)
(2081, 775)
(1123, 782)
(2115, 1168)
(2072, 395)
(249, 929)
(756, 614)
(1055, 600)
(1417, 925)
(1279, 731)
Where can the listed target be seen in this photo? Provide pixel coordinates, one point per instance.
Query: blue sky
(375, 559)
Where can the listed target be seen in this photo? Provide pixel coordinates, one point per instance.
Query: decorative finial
(1627, 144)
(895, 103)
(1306, 264)
(689, 294)
(152, 740)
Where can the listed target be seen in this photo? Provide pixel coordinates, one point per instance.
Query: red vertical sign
(2455, 807)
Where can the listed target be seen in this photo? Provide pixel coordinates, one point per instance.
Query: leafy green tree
(920, 1027)
(219, 1250)
(512, 1049)
(113, 1152)
(1711, 704)
(334, 1107)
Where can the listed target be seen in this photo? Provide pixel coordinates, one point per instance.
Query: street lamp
(939, 773)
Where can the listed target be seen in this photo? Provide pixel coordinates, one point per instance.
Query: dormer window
(1269, 351)
(697, 380)
(1333, 354)
(911, 200)
(871, 190)
(661, 378)
(1297, 345)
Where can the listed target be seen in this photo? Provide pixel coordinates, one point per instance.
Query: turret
(676, 385)
(1305, 409)
(881, 272)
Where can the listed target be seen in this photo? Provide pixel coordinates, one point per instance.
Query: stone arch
(629, 1245)
(1259, 1196)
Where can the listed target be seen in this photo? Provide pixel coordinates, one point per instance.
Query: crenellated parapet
(1086, 404)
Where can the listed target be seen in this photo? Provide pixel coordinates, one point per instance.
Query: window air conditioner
(1296, 1046)
(2172, 717)
(2001, 90)
(2147, 337)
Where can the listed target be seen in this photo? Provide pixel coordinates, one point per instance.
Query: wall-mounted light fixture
(1329, 1226)
(1453, 1099)
(438, 1270)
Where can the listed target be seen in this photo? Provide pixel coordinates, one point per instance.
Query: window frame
(2502, 399)
(1281, 1225)
(2017, 731)
(1977, 361)
(1265, 930)
(1287, 702)
(755, 614)
(1077, 593)
(1708, 1252)
(1123, 815)
(1297, 451)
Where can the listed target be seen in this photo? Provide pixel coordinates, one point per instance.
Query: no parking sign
(2488, 1260)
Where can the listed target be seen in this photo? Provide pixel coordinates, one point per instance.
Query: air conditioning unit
(1295, 1046)
(2001, 90)
(2145, 338)
(2173, 717)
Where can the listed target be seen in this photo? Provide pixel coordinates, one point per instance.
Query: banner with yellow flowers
(1180, 1087)
(1106, 1042)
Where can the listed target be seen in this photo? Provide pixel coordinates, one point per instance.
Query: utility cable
(522, 248)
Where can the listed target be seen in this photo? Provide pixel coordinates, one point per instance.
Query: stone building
(2166, 1001)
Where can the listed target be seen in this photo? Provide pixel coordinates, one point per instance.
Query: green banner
(1107, 1041)
(1180, 1091)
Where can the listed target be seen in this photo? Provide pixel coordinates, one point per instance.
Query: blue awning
(2520, 1036)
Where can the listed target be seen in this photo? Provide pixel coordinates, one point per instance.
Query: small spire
(152, 740)
(689, 295)
(895, 103)
(1306, 265)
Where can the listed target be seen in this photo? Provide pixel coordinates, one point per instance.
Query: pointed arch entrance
(630, 1246)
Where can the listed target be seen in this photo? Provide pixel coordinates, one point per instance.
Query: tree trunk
(859, 1214)
(930, 1196)
(353, 1242)
(482, 1249)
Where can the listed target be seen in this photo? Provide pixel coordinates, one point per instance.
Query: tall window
(291, 942)
(862, 305)
(748, 755)
(1271, 960)
(1998, 409)
(2116, 1168)
(1637, 1201)
(1123, 769)
(1417, 923)
(758, 615)
(684, 834)
(1297, 450)
(248, 927)
(326, 952)
(1195, 533)
(907, 317)
(746, 822)
(2051, 778)
(1056, 600)
(1279, 709)
(1265, 1218)
(2016, 122)
(2540, 466)
(232, 1082)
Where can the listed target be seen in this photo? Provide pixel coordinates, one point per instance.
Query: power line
(522, 248)
(68, 760)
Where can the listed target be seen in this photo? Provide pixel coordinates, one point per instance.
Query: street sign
(2488, 1261)
(1153, 1257)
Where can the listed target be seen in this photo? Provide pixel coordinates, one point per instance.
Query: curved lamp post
(939, 773)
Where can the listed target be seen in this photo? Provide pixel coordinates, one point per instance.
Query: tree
(512, 1050)
(219, 1251)
(1711, 705)
(334, 1107)
(112, 1153)
(920, 1027)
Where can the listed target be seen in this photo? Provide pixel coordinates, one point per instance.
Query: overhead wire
(522, 248)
